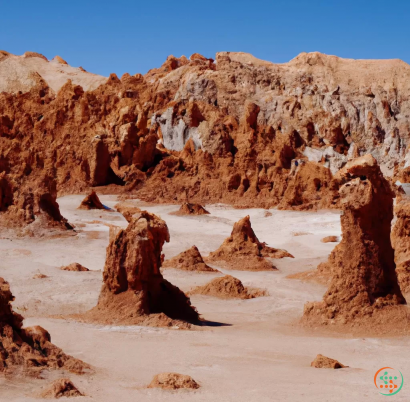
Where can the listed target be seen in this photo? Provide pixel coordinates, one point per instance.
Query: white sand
(261, 355)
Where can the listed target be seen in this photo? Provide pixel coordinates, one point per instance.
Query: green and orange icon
(388, 381)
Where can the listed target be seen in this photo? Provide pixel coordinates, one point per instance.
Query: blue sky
(134, 36)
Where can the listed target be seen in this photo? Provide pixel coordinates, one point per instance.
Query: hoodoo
(134, 291)
(364, 288)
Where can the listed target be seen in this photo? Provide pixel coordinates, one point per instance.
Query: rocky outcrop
(28, 350)
(243, 251)
(189, 260)
(400, 238)
(227, 287)
(326, 362)
(134, 291)
(63, 387)
(330, 239)
(364, 288)
(91, 202)
(173, 381)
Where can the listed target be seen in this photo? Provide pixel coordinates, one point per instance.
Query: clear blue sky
(134, 36)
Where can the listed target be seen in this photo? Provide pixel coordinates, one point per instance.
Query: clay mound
(364, 292)
(400, 241)
(326, 362)
(28, 350)
(189, 260)
(173, 381)
(62, 387)
(40, 276)
(243, 251)
(330, 239)
(191, 209)
(91, 202)
(227, 287)
(128, 210)
(75, 266)
(134, 291)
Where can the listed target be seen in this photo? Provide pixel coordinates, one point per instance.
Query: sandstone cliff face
(364, 283)
(28, 350)
(225, 131)
(133, 286)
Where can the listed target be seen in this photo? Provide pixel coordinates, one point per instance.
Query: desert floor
(251, 350)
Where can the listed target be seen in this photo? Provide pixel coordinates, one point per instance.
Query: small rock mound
(134, 291)
(189, 260)
(227, 287)
(40, 276)
(326, 362)
(60, 60)
(75, 266)
(28, 350)
(128, 210)
(243, 251)
(191, 209)
(59, 388)
(173, 381)
(91, 202)
(330, 239)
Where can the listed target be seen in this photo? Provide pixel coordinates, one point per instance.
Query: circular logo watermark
(388, 381)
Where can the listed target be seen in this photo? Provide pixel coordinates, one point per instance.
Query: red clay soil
(191, 209)
(326, 362)
(62, 387)
(75, 267)
(227, 287)
(128, 210)
(134, 291)
(243, 251)
(28, 350)
(173, 381)
(363, 293)
(91, 202)
(189, 260)
(400, 238)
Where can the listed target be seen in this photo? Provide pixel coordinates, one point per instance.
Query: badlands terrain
(204, 231)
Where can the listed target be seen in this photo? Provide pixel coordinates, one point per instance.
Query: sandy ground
(252, 350)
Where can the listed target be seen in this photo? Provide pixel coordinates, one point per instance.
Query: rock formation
(189, 260)
(128, 210)
(191, 209)
(400, 238)
(173, 381)
(91, 202)
(134, 291)
(326, 362)
(75, 266)
(230, 131)
(243, 251)
(227, 287)
(364, 289)
(28, 350)
(62, 387)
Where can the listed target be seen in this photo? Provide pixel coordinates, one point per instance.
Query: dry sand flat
(260, 356)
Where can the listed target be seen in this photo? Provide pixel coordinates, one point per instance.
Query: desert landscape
(217, 229)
